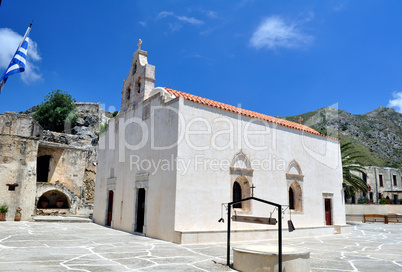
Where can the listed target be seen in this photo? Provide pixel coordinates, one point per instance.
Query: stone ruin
(40, 169)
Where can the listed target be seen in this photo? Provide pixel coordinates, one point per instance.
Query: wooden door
(328, 210)
(110, 209)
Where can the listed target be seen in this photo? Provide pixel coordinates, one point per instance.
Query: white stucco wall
(187, 194)
(138, 168)
(362, 209)
(203, 187)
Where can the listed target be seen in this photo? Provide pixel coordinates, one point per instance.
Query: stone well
(259, 258)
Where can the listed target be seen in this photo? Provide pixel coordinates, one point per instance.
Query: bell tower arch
(140, 80)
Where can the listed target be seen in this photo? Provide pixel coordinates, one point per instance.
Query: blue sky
(280, 58)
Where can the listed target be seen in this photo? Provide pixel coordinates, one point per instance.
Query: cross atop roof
(139, 44)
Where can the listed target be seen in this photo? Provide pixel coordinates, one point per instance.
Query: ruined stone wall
(72, 166)
(19, 124)
(91, 147)
(18, 166)
(90, 173)
(67, 165)
(88, 117)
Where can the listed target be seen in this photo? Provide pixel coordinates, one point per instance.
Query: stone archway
(52, 192)
(51, 197)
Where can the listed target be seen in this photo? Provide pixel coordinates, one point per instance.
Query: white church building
(169, 160)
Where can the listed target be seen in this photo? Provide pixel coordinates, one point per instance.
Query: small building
(170, 159)
(45, 172)
(385, 182)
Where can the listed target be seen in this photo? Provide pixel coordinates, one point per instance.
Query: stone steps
(62, 219)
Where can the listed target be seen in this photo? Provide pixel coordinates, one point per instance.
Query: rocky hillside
(377, 134)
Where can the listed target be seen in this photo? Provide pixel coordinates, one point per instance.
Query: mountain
(377, 134)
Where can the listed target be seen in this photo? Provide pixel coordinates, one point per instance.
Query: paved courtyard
(45, 246)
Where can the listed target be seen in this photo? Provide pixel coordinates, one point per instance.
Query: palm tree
(351, 166)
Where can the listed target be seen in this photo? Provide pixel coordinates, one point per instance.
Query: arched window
(241, 179)
(291, 199)
(294, 177)
(138, 84)
(237, 194)
(295, 197)
(134, 68)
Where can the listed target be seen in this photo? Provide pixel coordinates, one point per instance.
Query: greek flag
(17, 64)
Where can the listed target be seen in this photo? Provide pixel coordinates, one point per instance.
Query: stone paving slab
(54, 246)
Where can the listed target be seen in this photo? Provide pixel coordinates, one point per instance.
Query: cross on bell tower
(139, 44)
(140, 80)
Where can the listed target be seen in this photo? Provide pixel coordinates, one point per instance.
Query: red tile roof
(251, 114)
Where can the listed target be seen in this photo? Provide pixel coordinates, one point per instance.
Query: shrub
(3, 208)
(57, 109)
(362, 201)
(384, 200)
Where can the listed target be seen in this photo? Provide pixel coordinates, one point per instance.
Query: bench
(390, 218)
(375, 218)
(394, 218)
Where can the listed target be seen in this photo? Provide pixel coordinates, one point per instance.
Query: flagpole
(23, 39)
(26, 34)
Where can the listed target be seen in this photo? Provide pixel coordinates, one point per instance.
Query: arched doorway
(295, 197)
(241, 175)
(237, 195)
(291, 199)
(241, 190)
(51, 198)
(110, 208)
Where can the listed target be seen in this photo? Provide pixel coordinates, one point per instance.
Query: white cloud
(9, 41)
(174, 27)
(209, 13)
(339, 7)
(396, 102)
(144, 24)
(164, 14)
(274, 32)
(190, 20)
(178, 20)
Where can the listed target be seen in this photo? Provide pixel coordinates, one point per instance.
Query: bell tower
(139, 82)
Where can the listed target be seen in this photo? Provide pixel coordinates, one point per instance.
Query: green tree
(350, 166)
(56, 111)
